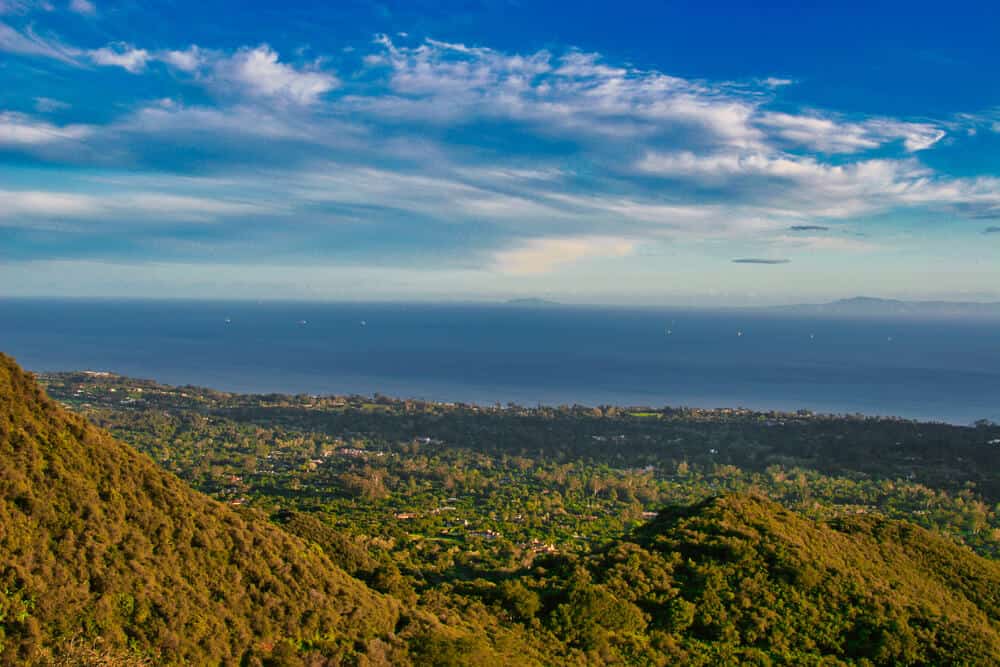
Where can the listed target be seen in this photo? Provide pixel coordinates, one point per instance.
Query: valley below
(371, 530)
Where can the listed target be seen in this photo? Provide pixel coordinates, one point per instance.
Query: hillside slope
(97, 541)
(740, 578)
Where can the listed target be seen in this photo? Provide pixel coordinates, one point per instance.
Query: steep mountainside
(97, 541)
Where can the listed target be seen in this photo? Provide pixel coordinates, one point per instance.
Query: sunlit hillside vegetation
(498, 558)
(97, 542)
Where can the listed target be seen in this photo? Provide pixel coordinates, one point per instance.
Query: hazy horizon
(514, 301)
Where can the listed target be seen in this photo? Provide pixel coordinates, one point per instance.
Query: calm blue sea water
(943, 370)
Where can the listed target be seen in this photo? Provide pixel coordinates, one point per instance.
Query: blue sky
(661, 153)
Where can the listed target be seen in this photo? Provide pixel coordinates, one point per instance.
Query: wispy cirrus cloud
(29, 43)
(20, 205)
(808, 186)
(534, 161)
(776, 82)
(47, 104)
(828, 134)
(571, 93)
(85, 7)
(29, 207)
(21, 130)
(578, 91)
(23, 6)
(251, 71)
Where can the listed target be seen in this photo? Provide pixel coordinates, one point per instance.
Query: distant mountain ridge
(871, 306)
(531, 301)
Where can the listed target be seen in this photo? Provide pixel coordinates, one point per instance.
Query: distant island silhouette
(531, 301)
(871, 306)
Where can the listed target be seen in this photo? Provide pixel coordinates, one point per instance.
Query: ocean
(943, 370)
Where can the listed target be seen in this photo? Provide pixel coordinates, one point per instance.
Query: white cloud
(818, 133)
(979, 196)
(830, 135)
(47, 104)
(172, 206)
(29, 43)
(34, 203)
(712, 168)
(121, 55)
(776, 82)
(83, 7)
(256, 73)
(915, 136)
(853, 178)
(440, 196)
(693, 220)
(188, 60)
(29, 206)
(20, 130)
(260, 73)
(168, 118)
(575, 93)
(543, 255)
(253, 72)
(805, 186)
(23, 6)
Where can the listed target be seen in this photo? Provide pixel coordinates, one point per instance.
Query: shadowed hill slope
(97, 541)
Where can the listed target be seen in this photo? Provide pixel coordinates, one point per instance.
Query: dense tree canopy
(354, 540)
